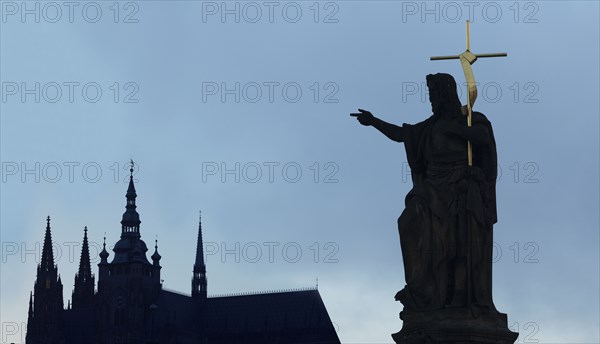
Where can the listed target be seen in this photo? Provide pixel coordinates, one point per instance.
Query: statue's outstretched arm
(392, 131)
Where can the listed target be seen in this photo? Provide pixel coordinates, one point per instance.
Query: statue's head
(442, 94)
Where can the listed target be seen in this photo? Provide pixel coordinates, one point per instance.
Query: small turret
(156, 257)
(103, 254)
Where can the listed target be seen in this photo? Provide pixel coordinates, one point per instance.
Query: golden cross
(466, 60)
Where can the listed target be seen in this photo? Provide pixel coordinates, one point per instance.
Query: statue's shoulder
(479, 117)
(428, 121)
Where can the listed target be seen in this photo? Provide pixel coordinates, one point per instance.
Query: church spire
(199, 281)
(45, 325)
(199, 245)
(83, 293)
(47, 263)
(85, 270)
(130, 224)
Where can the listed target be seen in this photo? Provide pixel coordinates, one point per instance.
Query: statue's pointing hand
(364, 117)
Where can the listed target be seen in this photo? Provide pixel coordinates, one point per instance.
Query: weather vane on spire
(132, 164)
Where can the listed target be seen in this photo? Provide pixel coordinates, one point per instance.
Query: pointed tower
(129, 284)
(47, 263)
(199, 281)
(45, 319)
(130, 248)
(83, 293)
(130, 224)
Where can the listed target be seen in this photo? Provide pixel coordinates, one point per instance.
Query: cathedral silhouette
(130, 306)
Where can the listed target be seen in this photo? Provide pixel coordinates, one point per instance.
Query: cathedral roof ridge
(264, 292)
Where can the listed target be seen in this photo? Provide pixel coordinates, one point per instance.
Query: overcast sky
(242, 112)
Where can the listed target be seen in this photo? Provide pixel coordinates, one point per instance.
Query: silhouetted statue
(446, 228)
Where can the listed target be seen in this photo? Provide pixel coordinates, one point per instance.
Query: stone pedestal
(455, 325)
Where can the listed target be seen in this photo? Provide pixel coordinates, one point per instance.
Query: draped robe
(446, 227)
